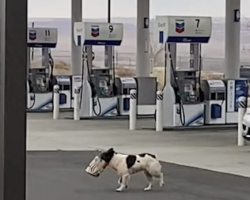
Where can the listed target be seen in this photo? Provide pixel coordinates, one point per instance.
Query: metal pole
(32, 50)
(76, 103)
(109, 11)
(109, 61)
(56, 102)
(159, 111)
(132, 110)
(108, 49)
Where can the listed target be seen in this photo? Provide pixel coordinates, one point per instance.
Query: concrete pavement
(60, 175)
(213, 150)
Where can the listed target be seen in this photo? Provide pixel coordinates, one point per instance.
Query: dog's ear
(111, 150)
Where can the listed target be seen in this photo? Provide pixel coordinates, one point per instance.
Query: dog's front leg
(127, 181)
(120, 182)
(123, 183)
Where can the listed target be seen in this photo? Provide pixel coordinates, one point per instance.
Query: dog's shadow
(108, 182)
(140, 190)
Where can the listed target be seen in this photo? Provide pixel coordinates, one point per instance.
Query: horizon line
(105, 17)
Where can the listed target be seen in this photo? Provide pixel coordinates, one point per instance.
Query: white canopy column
(76, 51)
(232, 39)
(143, 39)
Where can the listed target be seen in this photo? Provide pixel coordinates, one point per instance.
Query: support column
(232, 39)
(13, 74)
(108, 51)
(143, 39)
(28, 62)
(76, 51)
(89, 50)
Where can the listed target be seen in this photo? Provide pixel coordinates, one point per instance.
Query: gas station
(14, 85)
(232, 49)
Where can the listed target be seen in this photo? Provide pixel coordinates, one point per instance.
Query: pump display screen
(189, 93)
(188, 88)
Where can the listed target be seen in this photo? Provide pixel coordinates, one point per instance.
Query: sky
(127, 8)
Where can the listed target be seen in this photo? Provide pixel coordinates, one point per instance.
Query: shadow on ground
(60, 176)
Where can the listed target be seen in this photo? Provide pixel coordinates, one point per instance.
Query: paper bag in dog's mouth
(96, 167)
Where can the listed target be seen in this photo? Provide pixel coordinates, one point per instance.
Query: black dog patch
(130, 161)
(144, 154)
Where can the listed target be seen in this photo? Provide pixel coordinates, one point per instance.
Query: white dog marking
(126, 165)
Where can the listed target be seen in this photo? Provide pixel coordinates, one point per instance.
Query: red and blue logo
(32, 34)
(95, 31)
(179, 26)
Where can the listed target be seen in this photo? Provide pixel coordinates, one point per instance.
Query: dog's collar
(106, 164)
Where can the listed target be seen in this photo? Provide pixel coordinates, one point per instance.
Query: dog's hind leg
(120, 180)
(161, 181)
(159, 177)
(155, 170)
(150, 181)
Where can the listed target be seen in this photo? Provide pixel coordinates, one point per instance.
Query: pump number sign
(42, 37)
(181, 29)
(189, 26)
(88, 33)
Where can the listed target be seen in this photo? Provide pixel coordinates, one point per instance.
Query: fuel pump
(40, 80)
(101, 81)
(98, 95)
(183, 99)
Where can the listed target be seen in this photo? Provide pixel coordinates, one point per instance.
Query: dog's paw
(161, 184)
(126, 187)
(118, 190)
(147, 188)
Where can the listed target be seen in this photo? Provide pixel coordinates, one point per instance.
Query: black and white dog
(126, 165)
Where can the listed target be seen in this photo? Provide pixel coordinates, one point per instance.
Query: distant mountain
(63, 24)
(129, 23)
(214, 48)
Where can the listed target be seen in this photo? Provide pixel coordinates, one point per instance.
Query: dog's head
(107, 155)
(96, 166)
(100, 162)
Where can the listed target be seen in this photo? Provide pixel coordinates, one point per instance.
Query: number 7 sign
(197, 23)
